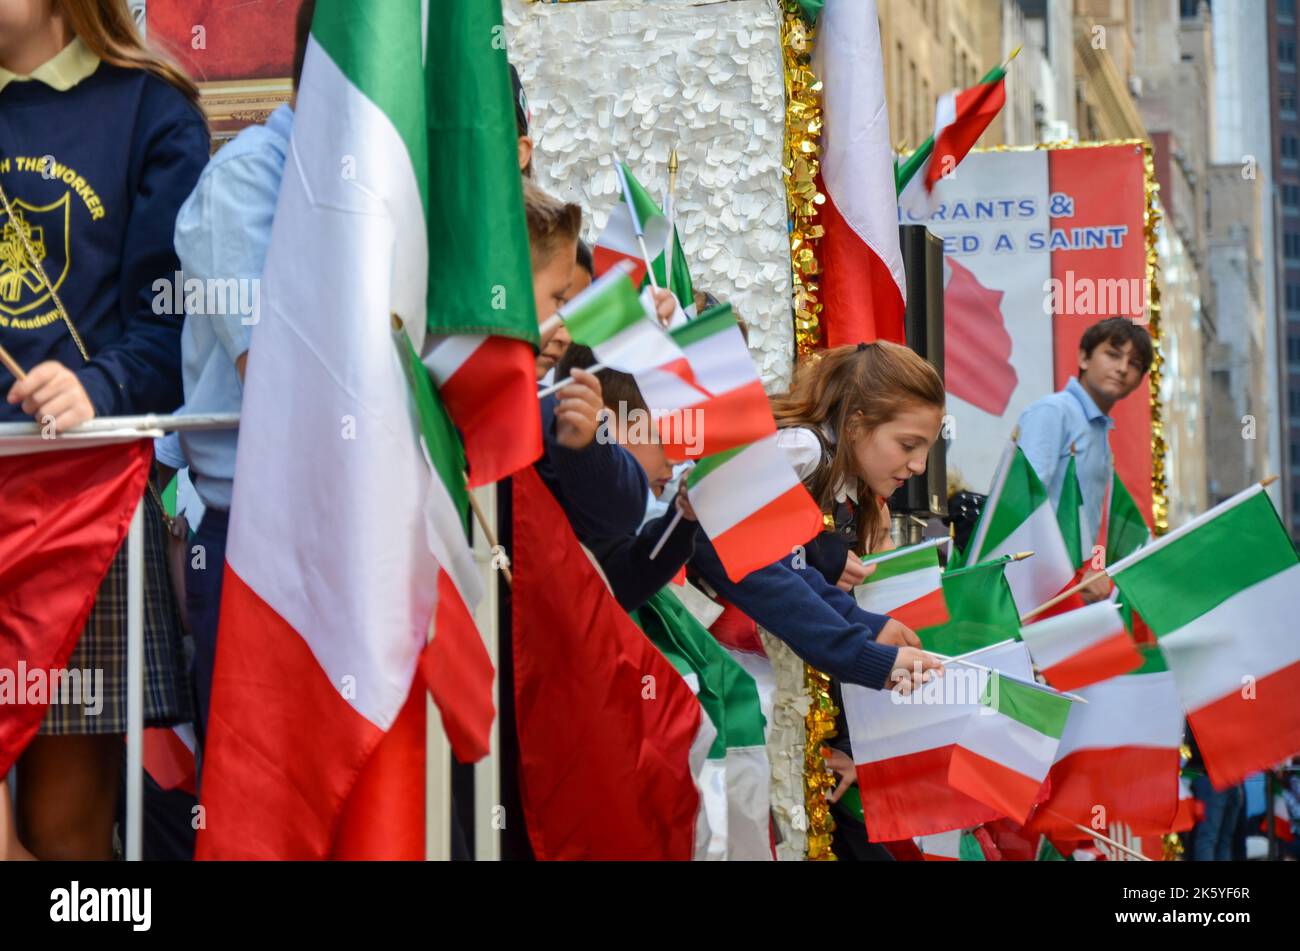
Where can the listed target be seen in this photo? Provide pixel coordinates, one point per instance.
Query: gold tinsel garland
(803, 125)
(1150, 223)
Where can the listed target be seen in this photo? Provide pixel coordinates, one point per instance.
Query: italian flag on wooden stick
(1082, 646)
(907, 585)
(981, 610)
(345, 544)
(679, 279)
(960, 118)
(635, 217)
(613, 320)
(1118, 758)
(722, 403)
(903, 747)
(752, 506)
(481, 317)
(1018, 517)
(1009, 744)
(1222, 595)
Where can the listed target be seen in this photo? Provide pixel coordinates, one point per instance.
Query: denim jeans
(1213, 838)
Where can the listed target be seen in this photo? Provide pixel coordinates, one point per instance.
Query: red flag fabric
(65, 514)
(977, 347)
(605, 721)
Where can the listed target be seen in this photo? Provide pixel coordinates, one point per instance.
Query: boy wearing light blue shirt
(1114, 356)
(222, 233)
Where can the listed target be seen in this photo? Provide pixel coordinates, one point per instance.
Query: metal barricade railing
(22, 438)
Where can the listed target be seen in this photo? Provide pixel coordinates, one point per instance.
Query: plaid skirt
(168, 698)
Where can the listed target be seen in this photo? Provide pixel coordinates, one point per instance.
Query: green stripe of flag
(643, 206)
(1067, 514)
(1022, 493)
(440, 438)
(710, 463)
(480, 272)
(901, 561)
(1126, 530)
(1043, 711)
(1194, 573)
(377, 47)
(611, 307)
(715, 320)
(981, 610)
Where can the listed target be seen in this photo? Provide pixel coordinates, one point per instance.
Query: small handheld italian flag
(960, 118)
(1008, 745)
(613, 320)
(1082, 646)
(1222, 594)
(1124, 532)
(676, 278)
(907, 585)
(635, 218)
(752, 506)
(723, 401)
(1019, 517)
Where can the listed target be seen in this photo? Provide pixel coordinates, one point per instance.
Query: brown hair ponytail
(846, 392)
(108, 31)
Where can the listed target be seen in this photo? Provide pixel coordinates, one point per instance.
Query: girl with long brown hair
(102, 141)
(856, 425)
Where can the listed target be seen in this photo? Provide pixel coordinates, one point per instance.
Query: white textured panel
(637, 79)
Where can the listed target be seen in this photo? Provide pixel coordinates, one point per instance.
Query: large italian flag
(481, 317)
(347, 533)
(1222, 594)
(722, 404)
(960, 118)
(1008, 745)
(1118, 759)
(752, 506)
(1017, 517)
(907, 585)
(903, 750)
(862, 265)
(612, 739)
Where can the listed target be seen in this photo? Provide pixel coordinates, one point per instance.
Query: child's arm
(627, 564)
(141, 371)
(600, 486)
(808, 614)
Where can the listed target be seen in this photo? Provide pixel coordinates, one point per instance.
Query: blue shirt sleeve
(141, 372)
(601, 488)
(821, 623)
(223, 230)
(1043, 431)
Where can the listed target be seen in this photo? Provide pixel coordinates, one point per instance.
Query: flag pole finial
(1022, 555)
(1267, 481)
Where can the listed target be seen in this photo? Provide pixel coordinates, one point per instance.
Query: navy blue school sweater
(821, 623)
(601, 488)
(96, 175)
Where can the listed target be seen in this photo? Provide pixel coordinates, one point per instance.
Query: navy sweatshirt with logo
(95, 175)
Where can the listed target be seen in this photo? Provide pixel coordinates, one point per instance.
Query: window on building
(1291, 196)
(1293, 297)
(1294, 400)
(1290, 147)
(1291, 244)
(1286, 99)
(1295, 454)
(1293, 351)
(1286, 9)
(1286, 52)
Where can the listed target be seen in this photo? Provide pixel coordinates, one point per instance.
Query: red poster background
(243, 39)
(1107, 188)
